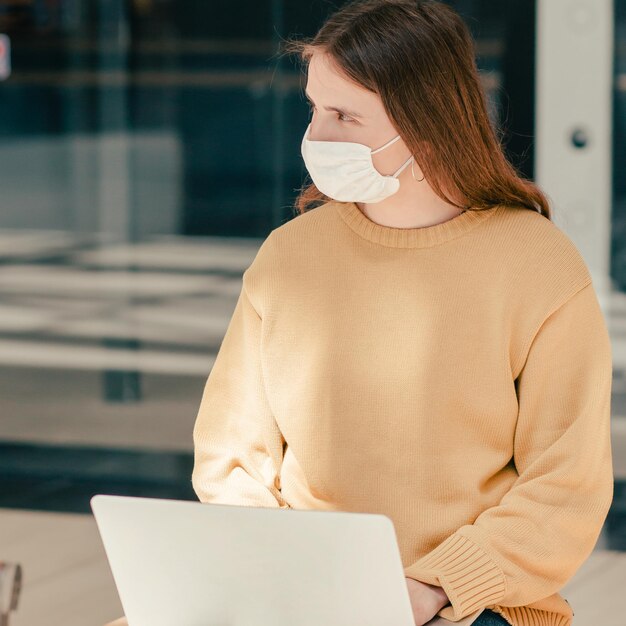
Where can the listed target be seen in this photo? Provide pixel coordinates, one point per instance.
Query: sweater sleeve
(238, 447)
(532, 543)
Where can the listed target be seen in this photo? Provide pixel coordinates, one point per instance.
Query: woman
(425, 343)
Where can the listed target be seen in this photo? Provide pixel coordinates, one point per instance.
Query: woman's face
(344, 111)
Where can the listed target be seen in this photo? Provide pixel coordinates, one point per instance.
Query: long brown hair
(419, 57)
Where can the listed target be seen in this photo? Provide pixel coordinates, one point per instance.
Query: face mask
(343, 170)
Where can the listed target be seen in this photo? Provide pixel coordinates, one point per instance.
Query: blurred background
(147, 147)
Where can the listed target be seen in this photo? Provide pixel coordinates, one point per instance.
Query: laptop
(200, 564)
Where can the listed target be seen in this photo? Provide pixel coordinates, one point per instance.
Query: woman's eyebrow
(342, 111)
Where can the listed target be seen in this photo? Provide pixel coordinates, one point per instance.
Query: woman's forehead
(326, 83)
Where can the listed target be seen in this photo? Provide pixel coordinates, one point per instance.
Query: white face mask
(344, 171)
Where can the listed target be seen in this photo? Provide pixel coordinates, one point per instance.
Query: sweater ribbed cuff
(468, 575)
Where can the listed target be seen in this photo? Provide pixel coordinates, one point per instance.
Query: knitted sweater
(454, 377)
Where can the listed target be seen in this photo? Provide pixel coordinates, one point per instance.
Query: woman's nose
(321, 132)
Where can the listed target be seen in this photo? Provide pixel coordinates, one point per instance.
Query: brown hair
(419, 57)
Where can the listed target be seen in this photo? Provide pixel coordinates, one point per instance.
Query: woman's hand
(426, 600)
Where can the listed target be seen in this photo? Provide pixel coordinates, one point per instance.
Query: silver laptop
(196, 564)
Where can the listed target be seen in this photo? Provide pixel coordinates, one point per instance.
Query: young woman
(424, 342)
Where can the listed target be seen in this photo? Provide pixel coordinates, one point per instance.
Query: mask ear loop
(412, 160)
(385, 145)
(403, 167)
(419, 180)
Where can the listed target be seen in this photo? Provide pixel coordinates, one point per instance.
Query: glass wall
(618, 252)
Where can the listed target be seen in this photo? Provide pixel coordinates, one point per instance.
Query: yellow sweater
(455, 377)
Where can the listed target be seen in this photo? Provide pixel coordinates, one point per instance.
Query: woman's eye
(341, 116)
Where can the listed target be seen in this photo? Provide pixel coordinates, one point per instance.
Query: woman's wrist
(441, 594)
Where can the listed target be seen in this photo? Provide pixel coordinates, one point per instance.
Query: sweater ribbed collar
(421, 237)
